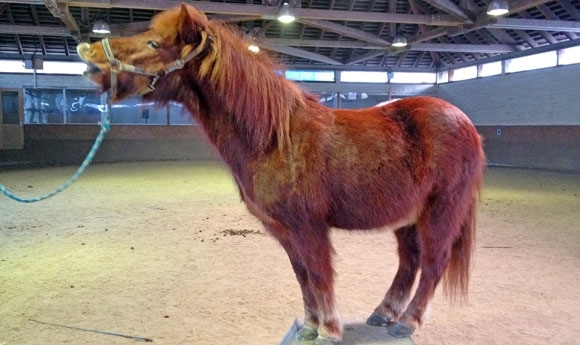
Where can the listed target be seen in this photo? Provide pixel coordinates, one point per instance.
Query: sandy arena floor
(166, 251)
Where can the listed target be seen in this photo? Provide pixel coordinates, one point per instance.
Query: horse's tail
(456, 281)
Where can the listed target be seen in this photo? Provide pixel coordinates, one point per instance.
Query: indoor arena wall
(527, 119)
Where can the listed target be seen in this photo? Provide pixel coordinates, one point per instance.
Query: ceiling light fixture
(498, 8)
(252, 42)
(101, 27)
(399, 41)
(285, 15)
(253, 47)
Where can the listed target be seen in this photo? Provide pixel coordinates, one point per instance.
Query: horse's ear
(191, 23)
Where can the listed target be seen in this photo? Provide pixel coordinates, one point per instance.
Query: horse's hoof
(307, 333)
(324, 341)
(378, 320)
(400, 330)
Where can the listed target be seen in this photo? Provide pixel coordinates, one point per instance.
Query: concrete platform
(356, 332)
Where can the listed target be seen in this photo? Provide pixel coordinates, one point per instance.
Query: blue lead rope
(105, 127)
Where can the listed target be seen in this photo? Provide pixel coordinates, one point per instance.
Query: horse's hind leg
(437, 229)
(397, 297)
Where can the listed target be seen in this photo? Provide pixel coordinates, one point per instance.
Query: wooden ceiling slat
(332, 33)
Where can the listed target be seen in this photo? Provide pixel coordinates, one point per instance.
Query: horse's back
(392, 157)
(433, 113)
(431, 125)
(427, 128)
(440, 137)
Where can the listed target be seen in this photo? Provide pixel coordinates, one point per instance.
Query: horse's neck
(224, 133)
(223, 129)
(247, 93)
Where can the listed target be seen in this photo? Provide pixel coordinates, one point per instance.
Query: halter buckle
(152, 82)
(179, 64)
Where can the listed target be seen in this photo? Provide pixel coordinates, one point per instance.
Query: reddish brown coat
(413, 165)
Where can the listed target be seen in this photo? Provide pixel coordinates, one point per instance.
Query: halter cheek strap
(118, 66)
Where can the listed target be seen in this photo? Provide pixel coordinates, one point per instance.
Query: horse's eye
(153, 44)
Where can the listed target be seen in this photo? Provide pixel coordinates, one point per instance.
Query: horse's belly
(372, 217)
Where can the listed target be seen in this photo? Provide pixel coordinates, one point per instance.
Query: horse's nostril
(83, 49)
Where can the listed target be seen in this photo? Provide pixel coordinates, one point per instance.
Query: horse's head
(139, 64)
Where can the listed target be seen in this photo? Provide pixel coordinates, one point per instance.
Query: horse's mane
(252, 86)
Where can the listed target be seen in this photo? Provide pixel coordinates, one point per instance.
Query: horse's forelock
(173, 22)
(166, 24)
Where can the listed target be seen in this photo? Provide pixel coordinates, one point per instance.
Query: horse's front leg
(312, 244)
(310, 254)
(310, 329)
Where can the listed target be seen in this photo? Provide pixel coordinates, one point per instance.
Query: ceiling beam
(34, 30)
(16, 36)
(311, 15)
(366, 56)
(483, 19)
(435, 47)
(521, 53)
(451, 8)
(345, 31)
(321, 24)
(276, 44)
(233, 18)
(129, 29)
(552, 16)
(500, 36)
(560, 45)
(37, 22)
(303, 54)
(423, 29)
(392, 26)
(428, 35)
(469, 7)
(321, 43)
(270, 12)
(570, 9)
(522, 5)
(29, 2)
(463, 48)
(527, 38)
(534, 24)
(60, 10)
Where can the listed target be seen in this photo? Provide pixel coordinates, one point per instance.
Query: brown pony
(413, 166)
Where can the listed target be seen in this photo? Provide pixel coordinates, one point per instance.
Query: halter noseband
(118, 66)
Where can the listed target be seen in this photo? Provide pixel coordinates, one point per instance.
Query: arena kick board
(356, 332)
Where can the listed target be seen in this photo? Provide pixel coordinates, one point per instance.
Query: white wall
(549, 96)
(27, 80)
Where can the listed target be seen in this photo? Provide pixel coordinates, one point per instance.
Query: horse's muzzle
(84, 50)
(92, 69)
